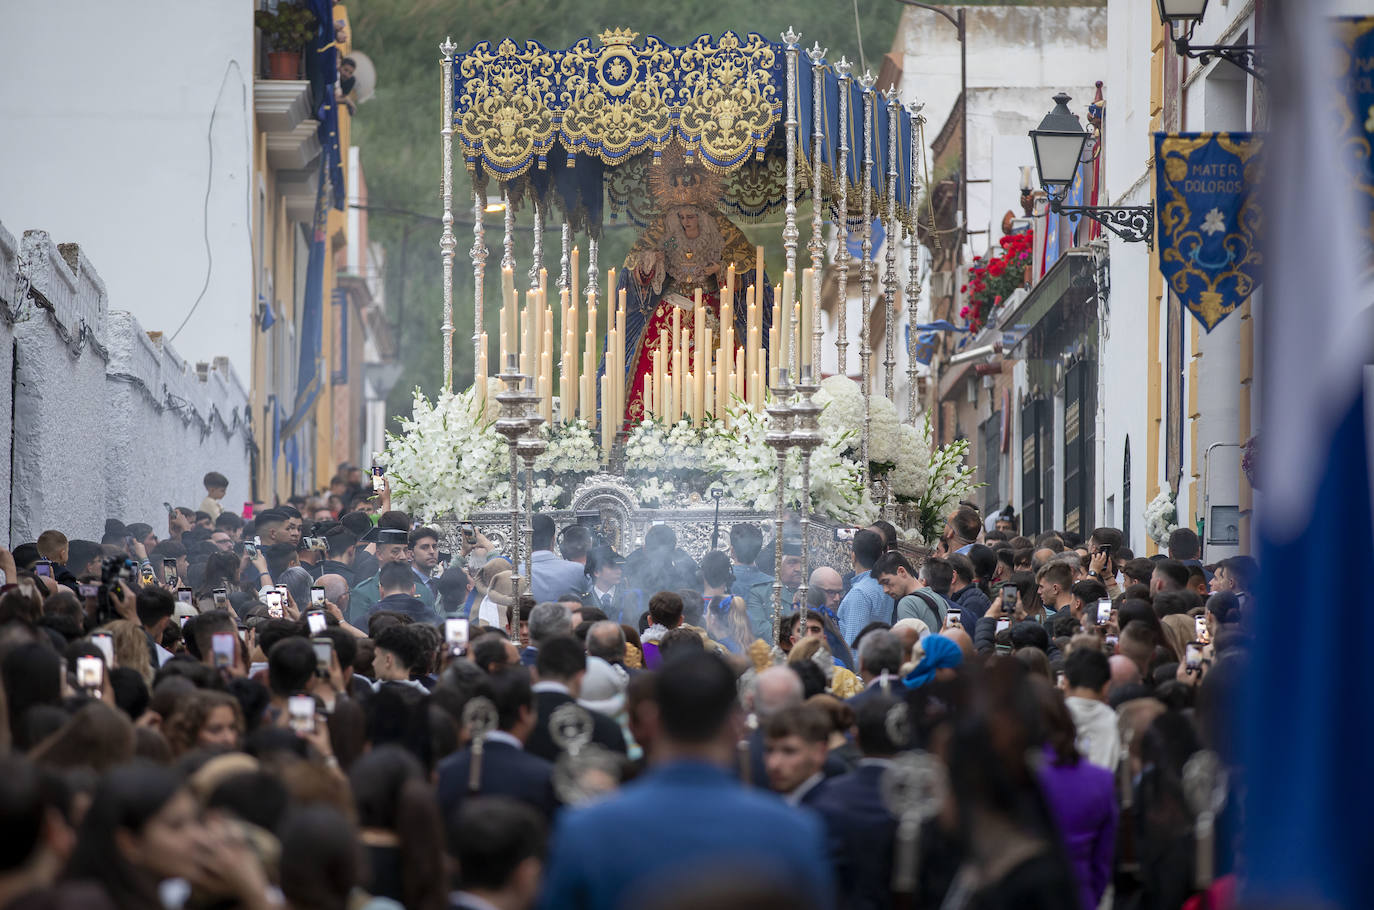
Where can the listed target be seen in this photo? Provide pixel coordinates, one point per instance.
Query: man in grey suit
(553, 575)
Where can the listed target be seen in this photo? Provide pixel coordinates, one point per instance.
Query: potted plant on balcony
(993, 277)
(287, 31)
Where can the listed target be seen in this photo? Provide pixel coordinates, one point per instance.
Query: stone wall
(104, 420)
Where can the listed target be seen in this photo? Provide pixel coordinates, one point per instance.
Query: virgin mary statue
(688, 247)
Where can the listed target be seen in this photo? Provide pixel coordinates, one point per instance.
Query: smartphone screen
(1192, 655)
(43, 567)
(222, 645)
(184, 596)
(316, 621)
(105, 642)
(1009, 595)
(1003, 624)
(324, 651)
(89, 673)
(89, 592)
(300, 711)
(221, 597)
(456, 633)
(317, 596)
(169, 569)
(1104, 611)
(1200, 627)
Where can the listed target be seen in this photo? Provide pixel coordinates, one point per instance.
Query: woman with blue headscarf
(940, 659)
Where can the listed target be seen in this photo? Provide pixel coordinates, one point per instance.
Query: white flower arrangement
(910, 476)
(443, 460)
(654, 493)
(748, 468)
(842, 403)
(1161, 517)
(572, 450)
(940, 478)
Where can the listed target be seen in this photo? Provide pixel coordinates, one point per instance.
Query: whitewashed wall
(105, 422)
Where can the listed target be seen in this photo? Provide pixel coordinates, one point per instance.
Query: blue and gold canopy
(578, 125)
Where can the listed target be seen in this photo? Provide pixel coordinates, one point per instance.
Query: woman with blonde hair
(1179, 629)
(726, 619)
(204, 719)
(131, 647)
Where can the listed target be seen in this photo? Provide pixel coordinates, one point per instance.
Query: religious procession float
(702, 402)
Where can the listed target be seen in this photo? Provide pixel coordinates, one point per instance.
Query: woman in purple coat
(1081, 798)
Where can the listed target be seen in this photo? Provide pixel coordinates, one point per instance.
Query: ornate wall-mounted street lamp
(1180, 17)
(1058, 144)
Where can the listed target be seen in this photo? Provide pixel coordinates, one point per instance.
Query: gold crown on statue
(617, 36)
(675, 181)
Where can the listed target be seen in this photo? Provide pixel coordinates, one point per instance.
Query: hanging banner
(1354, 67)
(1208, 207)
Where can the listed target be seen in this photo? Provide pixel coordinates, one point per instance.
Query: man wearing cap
(553, 575)
(393, 546)
(759, 604)
(608, 591)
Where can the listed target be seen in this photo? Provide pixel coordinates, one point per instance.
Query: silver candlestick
(529, 447)
(511, 422)
(806, 436)
(779, 438)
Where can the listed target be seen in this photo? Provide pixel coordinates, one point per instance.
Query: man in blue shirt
(600, 856)
(962, 528)
(865, 602)
(554, 576)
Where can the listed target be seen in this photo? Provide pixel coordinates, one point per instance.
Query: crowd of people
(316, 705)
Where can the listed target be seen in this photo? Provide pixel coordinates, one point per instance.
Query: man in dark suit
(507, 769)
(861, 829)
(396, 583)
(603, 856)
(547, 621)
(560, 667)
(499, 845)
(796, 744)
(607, 590)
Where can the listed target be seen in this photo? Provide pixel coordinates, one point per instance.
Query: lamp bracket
(1245, 56)
(1132, 223)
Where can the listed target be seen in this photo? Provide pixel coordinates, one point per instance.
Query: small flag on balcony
(1210, 220)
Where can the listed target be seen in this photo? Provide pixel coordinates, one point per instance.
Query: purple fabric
(651, 656)
(1082, 800)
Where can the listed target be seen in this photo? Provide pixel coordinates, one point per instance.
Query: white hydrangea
(911, 476)
(1161, 517)
(883, 429)
(929, 491)
(842, 401)
(842, 406)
